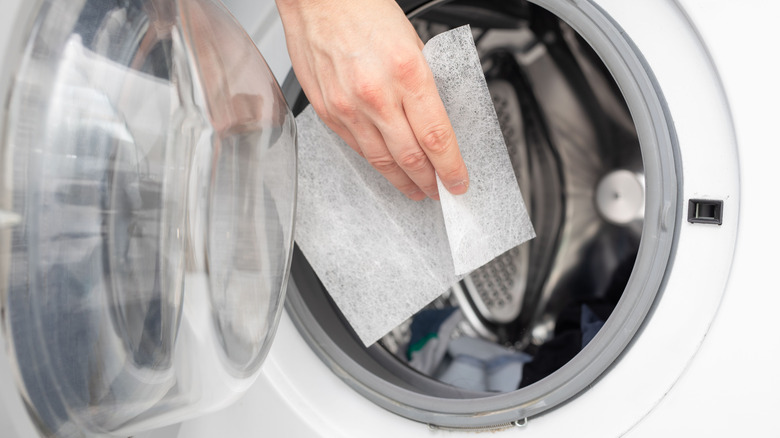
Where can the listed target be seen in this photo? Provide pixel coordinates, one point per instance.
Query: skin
(360, 64)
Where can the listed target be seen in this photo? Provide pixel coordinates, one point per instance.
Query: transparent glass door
(148, 192)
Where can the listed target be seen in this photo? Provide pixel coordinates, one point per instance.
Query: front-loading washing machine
(140, 294)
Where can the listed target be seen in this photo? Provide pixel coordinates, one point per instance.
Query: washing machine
(151, 287)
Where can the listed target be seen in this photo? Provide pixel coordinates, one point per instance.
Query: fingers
(361, 134)
(432, 129)
(376, 92)
(405, 135)
(415, 135)
(379, 156)
(401, 145)
(415, 126)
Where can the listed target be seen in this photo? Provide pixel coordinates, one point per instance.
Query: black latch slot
(705, 211)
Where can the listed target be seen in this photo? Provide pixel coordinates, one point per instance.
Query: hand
(360, 64)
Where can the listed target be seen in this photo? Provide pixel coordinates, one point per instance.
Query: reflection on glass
(151, 161)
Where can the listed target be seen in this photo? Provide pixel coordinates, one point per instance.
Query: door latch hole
(705, 211)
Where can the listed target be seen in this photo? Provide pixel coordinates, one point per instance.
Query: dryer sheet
(383, 257)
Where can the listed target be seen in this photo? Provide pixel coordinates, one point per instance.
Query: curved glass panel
(150, 159)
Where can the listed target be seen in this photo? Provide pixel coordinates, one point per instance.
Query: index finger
(433, 130)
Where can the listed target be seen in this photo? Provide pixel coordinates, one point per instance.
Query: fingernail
(459, 188)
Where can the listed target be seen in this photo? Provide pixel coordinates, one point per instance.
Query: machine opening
(568, 131)
(500, 344)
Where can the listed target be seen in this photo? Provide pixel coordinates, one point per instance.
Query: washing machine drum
(592, 153)
(147, 196)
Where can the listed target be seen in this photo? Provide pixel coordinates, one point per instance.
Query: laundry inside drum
(577, 158)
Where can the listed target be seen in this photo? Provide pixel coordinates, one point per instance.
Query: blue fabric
(590, 324)
(425, 326)
(481, 365)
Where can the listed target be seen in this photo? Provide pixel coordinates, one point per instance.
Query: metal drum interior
(526, 317)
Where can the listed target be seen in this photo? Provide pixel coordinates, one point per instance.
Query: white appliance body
(704, 362)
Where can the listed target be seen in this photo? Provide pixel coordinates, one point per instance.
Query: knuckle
(437, 139)
(370, 93)
(413, 161)
(342, 107)
(410, 71)
(383, 163)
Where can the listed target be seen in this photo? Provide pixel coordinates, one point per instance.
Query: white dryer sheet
(383, 257)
